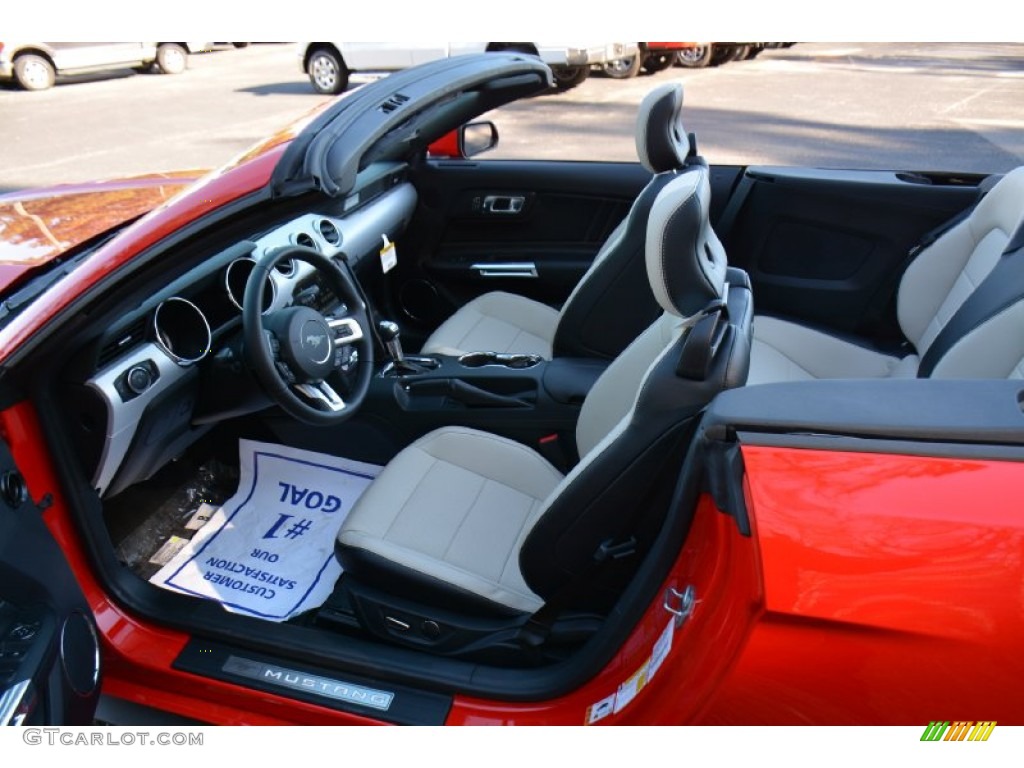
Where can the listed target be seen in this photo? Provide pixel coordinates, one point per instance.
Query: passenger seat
(612, 304)
(959, 324)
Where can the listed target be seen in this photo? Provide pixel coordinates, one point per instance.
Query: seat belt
(932, 235)
(1001, 289)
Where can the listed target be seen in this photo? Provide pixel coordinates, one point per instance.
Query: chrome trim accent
(504, 205)
(313, 241)
(332, 239)
(17, 703)
(95, 653)
(507, 269)
(322, 392)
(123, 417)
(329, 687)
(162, 343)
(355, 330)
(273, 284)
(687, 602)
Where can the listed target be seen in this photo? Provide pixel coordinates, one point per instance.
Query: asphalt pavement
(887, 105)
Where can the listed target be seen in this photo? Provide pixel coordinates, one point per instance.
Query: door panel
(527, 227)
(49, 651)
(829, 247)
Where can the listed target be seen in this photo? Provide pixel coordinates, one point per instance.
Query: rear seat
(960, 305)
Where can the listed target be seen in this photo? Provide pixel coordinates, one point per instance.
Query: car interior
(544, 448)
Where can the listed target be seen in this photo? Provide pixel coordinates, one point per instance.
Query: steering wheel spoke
(322, 394)
(347, 330)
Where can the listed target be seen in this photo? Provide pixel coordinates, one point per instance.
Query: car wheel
(326, 72)
(621, 69)
(695, 58)
(34, 73)
(740, 53)
(658, 62)
(240, 45)
(721, 54)
(171, 58)
(569, 77)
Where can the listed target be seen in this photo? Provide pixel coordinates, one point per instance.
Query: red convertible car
(678, 443)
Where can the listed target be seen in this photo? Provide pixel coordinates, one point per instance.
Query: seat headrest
(686, 262)
(661, 140)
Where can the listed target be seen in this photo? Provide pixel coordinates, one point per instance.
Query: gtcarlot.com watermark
(70, 737)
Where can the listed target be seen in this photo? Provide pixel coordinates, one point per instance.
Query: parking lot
(914, 106)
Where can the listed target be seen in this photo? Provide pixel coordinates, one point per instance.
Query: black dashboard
(147, 393)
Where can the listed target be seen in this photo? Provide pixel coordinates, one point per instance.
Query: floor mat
(269, 550)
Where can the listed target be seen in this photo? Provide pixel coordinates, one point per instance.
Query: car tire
(327, 72)
(658, 62)
(171, 58)
(34, 73)
(240, 45)
(569, 77)
(697, 57)
(622, 69)
(740, 53)
(722, 54)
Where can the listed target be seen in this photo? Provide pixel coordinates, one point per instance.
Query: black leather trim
(396, 579)
(612, 495)
(614, 303)
(1000, 290)
(686, 248)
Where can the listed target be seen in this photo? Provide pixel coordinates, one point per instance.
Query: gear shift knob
(391, 336)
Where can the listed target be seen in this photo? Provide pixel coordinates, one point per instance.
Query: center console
(521, 396)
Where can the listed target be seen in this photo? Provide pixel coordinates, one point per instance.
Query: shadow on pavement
(293, 88)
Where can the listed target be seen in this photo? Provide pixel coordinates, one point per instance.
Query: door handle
(505, 205)
(506, 269)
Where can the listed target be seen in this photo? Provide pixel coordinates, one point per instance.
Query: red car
(201, 376)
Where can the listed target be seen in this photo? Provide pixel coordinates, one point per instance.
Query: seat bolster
(784, 351)
(496, 322)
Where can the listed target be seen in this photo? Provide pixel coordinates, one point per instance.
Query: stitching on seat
(508, 558)
(541, 461)
(433, 461)
(479, 319)
(469, 509)
(783, 355)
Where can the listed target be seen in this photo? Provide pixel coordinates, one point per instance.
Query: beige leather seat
(615, 286)
(956, 330)
(463, 519)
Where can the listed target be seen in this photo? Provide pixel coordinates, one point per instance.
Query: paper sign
(388, 255)
(269, 550)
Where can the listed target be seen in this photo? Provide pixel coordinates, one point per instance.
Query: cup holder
(508, 360)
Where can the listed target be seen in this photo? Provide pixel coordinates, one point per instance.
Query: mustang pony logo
(314, 340)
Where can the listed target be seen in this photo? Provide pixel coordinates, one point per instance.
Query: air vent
(123, 341)
(305, 240)
(286, 267)
(393, 103)
(330, 232)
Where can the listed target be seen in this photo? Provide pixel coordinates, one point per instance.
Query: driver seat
(467, 523)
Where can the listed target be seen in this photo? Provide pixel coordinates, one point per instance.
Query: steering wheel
(295, 350)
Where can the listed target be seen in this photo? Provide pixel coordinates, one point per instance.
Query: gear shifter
(391, 335)
(400, 365)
